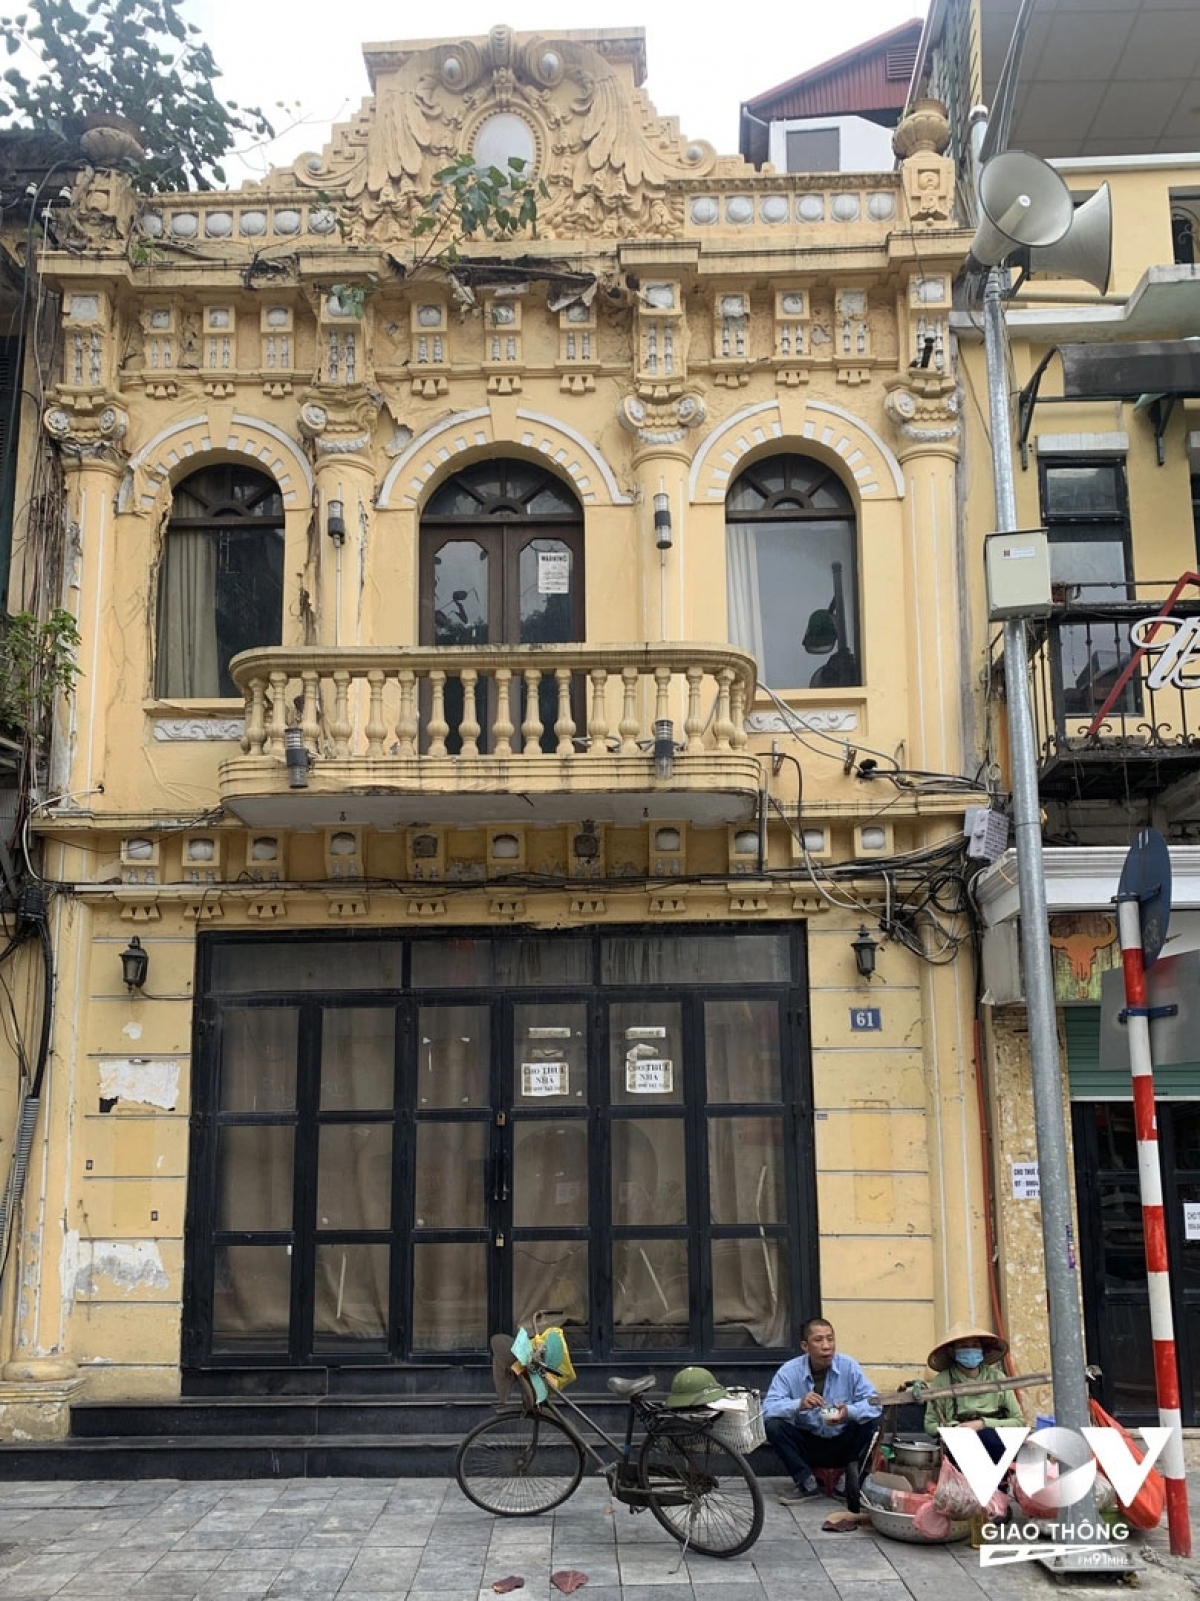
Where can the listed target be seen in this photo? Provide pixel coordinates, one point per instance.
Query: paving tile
(376, 1570)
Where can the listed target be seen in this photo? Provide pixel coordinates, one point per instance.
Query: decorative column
(338, 420)
(660, 411)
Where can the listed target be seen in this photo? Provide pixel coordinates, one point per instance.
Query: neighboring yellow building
(507, 690)
(1105, 395)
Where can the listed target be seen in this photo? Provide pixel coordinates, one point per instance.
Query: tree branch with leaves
(139, 59)
(469, 200)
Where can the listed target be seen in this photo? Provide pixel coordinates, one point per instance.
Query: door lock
(499, 1242)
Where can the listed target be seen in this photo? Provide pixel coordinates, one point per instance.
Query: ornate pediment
(568, 104)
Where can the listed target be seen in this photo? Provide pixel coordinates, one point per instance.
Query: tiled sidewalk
(420, 1540)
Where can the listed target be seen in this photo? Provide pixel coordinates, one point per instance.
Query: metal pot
(917, 1453)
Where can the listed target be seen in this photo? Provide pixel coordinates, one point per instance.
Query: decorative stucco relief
(559, 103)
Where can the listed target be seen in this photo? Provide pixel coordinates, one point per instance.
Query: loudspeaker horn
(1024, 203)
(1085, 250)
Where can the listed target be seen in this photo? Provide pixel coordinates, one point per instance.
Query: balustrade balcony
(473, 734)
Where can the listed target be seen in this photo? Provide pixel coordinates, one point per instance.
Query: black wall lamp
(662, 520)
(135, 963)
(297, 757)
(335, 522)
(864, 948)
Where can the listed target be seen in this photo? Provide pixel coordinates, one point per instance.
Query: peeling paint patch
(135, 1079)
(132, 1031)
(128, 1265)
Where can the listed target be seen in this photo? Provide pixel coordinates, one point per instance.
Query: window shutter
(1090, 1083)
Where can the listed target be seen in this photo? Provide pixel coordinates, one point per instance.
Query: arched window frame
(220, 586)
(789, 520)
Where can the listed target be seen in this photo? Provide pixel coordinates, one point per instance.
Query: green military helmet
(695, 1387)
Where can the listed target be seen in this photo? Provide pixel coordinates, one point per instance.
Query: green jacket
(998, 1408)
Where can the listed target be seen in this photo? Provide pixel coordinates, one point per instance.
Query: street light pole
(1058, 1237)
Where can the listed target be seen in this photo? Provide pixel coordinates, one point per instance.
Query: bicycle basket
(739, 1421)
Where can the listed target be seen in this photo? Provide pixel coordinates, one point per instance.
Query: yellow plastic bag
(551, 1348)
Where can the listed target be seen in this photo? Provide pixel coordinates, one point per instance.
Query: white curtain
(187, 625)
(745, 612)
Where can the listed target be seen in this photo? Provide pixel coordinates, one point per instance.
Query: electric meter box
(1018, 574)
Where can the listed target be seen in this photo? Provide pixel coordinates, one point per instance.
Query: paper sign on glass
(554, 572)
(544, 1078)
(649, 1075)
(1191, 1220)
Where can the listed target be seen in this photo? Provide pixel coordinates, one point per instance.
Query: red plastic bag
(1148, 1505)
(952, 1495)
(927, 1520)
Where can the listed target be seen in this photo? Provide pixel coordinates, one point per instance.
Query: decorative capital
(922, 405)
(88, 428)
(338, 421)
(661, 419)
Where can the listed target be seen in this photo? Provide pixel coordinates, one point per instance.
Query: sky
(703, 60)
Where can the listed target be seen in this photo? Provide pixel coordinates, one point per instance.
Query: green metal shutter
(1089, 1083)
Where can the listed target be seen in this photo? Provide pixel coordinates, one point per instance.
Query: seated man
(967, 1355)
(819, 1412)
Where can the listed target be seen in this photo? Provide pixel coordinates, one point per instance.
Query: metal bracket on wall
(1026, 401)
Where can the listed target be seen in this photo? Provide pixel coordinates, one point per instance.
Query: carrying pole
(1158, 1274)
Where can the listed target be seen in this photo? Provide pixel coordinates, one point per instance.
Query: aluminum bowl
(903, 1526)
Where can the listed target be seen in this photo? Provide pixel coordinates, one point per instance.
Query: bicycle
(529, 1459)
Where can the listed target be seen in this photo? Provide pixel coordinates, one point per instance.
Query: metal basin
(903, 1526)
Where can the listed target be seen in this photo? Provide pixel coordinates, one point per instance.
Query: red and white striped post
(1162, 1330)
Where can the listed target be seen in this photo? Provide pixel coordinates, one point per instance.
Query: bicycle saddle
(631, 1387)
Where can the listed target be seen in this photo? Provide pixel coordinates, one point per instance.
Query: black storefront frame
(798, 1231)
(1127, 1393)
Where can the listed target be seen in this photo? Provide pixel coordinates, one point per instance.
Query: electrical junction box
(987, 833)
(1018, 574)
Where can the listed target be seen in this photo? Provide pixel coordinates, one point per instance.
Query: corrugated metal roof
(870, 79)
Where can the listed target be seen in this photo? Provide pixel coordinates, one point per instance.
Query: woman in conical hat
(966, 1334)
(967, 1354)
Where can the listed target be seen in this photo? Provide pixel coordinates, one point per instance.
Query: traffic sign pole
(1162, 1330)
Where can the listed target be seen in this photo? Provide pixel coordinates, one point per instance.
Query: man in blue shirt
(820, 1411)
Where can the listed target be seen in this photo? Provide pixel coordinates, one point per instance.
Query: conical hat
(942, 1355)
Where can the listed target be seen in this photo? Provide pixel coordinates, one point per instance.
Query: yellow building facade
(508, 686)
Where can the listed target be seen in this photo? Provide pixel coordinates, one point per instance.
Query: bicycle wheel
(519, 1463)
(702, 1492)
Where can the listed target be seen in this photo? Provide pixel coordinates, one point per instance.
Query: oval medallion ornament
(287, 221)
(775, 208)
(844, 208)
(810, 208)
(704, 210)
(881, 206)
(739, 209)
(218, 224)
(502, 137)
(252, 223)
(549, 67)
(323, 221)
(185, 225)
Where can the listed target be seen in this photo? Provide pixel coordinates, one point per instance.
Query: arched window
(502, 564)
(502, 559)
(792, 573)
(221, 583)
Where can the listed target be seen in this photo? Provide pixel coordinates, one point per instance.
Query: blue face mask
(968, 1356)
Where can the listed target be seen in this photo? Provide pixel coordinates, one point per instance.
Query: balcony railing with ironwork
(1113, 720)
(558, 730)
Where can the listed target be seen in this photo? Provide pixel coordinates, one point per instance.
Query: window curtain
(187, 635)
(745, 611)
